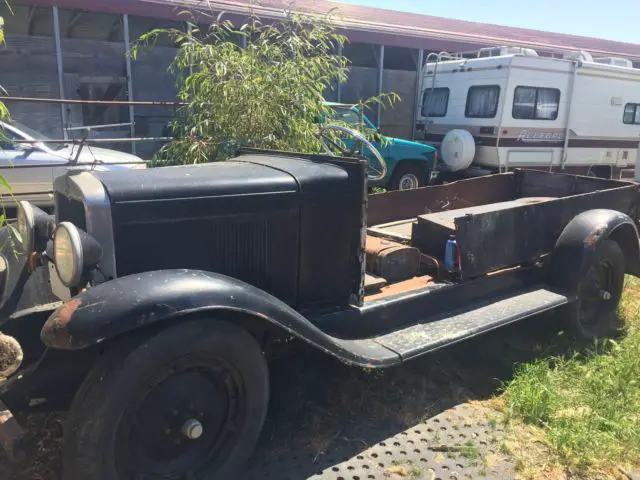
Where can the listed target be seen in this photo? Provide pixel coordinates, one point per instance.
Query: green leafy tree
(267, 93)
(4, 114)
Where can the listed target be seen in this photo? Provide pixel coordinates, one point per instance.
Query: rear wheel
(634, 213)
(189, 403)
(599, 293)
(408, 177)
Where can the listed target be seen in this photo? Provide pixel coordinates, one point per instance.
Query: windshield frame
(365, 119)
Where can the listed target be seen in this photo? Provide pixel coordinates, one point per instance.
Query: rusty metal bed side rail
(400, 205)
(539, 183)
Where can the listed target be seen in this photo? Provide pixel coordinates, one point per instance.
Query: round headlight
(67, 253)
(26, 225)
(4, 266)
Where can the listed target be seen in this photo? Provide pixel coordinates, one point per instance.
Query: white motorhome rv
(507, 107)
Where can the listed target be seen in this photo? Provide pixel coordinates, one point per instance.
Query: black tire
(599, 293)
(634, 213)
(417, 171)
(126, 420)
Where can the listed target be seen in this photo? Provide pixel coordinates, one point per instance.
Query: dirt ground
(315, 397)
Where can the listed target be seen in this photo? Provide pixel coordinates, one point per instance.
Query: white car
(31, 167)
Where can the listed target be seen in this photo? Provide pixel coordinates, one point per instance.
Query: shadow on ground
(326, 416)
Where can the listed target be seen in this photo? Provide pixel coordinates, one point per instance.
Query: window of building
(103, 89)
(435, 102)
(631, 114)
(482, 101)
(533, 103)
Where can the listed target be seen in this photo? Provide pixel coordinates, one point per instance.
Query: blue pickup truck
(409, 164)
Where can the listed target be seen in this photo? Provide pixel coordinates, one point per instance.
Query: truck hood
(409, 143)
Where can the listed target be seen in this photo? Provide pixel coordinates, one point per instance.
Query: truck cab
(168, 285)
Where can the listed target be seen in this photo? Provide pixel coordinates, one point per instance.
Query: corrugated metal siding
(370, 24)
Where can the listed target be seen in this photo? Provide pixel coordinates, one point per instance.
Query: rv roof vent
(617, 61)
(526, 52)
(578, 55)
(506, 50)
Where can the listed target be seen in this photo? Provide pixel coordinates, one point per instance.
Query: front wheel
(189, 403)
(408, 177)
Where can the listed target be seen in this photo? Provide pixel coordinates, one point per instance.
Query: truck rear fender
(575, 247)
(130, 303)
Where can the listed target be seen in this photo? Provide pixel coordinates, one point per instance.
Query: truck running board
(436, 332)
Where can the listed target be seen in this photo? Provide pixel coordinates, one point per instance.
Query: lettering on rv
(536, 136)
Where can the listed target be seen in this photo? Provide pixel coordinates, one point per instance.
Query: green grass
(470, 450)
(407, 469)
(587, 404)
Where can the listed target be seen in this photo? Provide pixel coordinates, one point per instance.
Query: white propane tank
(458, 149)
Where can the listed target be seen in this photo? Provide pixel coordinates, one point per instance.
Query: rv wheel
(187, 403)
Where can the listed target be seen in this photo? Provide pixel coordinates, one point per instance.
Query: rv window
(631, 114)
(532, 103)
(482, 101)
(435, 102)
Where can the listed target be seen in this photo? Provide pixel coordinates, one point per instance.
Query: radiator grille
(261, 250)
(70, 210)
(240, 249)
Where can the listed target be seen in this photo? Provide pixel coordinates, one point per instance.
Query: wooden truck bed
(443, 221)
(432, 230)
(446, 218)
(500, 220)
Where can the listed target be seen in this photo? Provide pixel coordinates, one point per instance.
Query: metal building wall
(85, 58)
(53, 52)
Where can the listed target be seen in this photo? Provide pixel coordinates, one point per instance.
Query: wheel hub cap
(192, 429)
(596, 291)
(181, 424)
(408, 182)
(604, 295)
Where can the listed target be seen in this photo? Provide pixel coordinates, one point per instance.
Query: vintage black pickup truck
(145, 304)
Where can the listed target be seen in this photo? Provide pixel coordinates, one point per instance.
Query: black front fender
(575, 248)
(129, 303)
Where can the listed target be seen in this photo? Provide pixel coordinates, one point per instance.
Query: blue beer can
(450, 252)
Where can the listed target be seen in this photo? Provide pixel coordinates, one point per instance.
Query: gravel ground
(326, 416)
